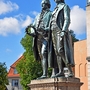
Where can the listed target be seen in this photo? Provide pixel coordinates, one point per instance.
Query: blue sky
(16, 15)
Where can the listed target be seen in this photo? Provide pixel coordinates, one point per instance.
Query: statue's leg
(60, 66)
(44, 67)
(44, 60)
(59, 55)
(58, 47)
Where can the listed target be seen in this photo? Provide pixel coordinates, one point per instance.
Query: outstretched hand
(31, 25)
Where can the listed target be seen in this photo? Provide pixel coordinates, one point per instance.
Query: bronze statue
(61, 37)
(51, 39)
(41, 37)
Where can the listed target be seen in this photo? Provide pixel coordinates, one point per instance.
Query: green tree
(3, 76)
(28, 68)
(74, 39)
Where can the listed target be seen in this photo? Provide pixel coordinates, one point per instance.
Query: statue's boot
(70, 71)
(54, 72)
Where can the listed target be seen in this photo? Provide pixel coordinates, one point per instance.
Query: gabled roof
(12, 67)
(15, 63)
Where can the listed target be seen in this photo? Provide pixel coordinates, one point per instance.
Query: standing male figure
(61, 38)
(40, 33)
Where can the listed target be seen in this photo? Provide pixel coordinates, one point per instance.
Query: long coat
(63, 20)
(51, 54)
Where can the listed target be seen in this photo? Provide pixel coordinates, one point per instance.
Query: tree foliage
(28, 68)
(3, 76)
(74, 39)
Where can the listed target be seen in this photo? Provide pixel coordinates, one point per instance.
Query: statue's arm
(66, 18)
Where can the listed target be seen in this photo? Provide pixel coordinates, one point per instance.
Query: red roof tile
(12, 67)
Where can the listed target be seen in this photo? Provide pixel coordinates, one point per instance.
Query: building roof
(12, 69)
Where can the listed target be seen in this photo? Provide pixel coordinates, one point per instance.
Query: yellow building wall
(80, 54)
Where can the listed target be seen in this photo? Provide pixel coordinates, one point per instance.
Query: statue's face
(57, 1)
(44, 6)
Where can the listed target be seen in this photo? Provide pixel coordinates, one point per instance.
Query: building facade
(14, 77)
(88, 40)
(80, 53)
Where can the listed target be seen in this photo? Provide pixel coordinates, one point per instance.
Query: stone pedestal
(56, 84)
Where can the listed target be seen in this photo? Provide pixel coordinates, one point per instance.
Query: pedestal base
(56, 84)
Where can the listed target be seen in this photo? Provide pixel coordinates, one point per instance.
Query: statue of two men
(52, 40)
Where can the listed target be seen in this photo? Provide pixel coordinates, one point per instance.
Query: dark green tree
(28, 68)
(3, 76)
(74, 39)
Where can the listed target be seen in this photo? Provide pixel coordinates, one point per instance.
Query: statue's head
(46, 2)
(59, 1)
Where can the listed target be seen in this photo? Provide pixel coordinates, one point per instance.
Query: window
(15, 82)
(81, 70)
(85, 69)
(15, 71)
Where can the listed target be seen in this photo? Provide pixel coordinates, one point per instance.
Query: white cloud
(7, 6)
(35, 13)
(27, 21)
(13, 25)
(78, 20)
(9, 25)
(8, 50)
